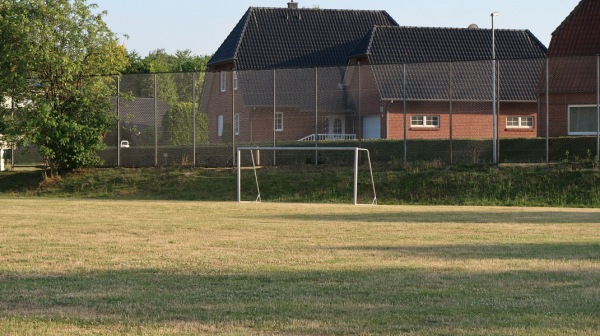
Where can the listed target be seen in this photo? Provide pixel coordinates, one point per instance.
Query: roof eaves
(221, 62)
(458, 100)
(239, 38)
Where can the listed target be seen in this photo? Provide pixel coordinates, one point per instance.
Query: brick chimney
(292, 5)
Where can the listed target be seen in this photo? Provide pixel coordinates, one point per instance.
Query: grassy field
(104, 267)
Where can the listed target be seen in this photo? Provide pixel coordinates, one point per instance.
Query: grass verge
(414, 184)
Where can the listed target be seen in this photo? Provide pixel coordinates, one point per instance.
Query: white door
(334, 128)
(372, 127)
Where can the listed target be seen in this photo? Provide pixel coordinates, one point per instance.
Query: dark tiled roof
(579, 33)
(297, 88)
(570, 75)
(285, 38)
(428, 51)
(388, 45)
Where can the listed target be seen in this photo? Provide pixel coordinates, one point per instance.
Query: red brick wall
(469, 120)
(559, 111)
(257, 125)
(220, 103)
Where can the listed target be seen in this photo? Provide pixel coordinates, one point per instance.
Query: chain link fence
(546, 110)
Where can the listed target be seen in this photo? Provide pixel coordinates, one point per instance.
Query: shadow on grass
(542, 251)
(476, 217)
(20, 182)
(329, 302)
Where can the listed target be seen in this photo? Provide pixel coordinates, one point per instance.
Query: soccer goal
(356, 150)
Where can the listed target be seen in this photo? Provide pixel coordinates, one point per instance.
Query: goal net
(357, 151)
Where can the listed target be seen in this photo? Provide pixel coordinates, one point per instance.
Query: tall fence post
(359, 122)
(494, 126)
(451, 107)
(118, 121)
(233, 126)
(598, 107)
(404, 109)
(316, 116)
(155, 120)
(274, 116)
(13, 147)
(194, 119)
(497, 102)
(547, 110)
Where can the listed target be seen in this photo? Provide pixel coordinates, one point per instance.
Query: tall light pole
(494, 114)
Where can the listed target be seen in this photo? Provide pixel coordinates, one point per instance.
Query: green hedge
(572, 149)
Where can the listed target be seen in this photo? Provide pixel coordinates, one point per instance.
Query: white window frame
(236, 123)
(429, 121)
(223, 81)
(595, 107)
(521, 122)
(220, 120)
(278, 122)
(235, 80)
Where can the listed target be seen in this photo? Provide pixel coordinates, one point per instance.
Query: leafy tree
(136, 64)
(174, 80)
(56, 51)
(186, 62)
(178, 125)
(159, 61)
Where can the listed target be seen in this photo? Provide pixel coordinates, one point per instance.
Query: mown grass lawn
(100, 267)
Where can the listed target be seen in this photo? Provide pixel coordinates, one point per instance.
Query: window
(583, 120)
(279, 121)
(235, 80)
(223, 81)
(220, 125)
(425, 121)
(236, 123)
(519, 122)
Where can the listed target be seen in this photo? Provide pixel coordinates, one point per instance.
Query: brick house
(291, 74)
(573, 67)
(448, 82)
(243, 94)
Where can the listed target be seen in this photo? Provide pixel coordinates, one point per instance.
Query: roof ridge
(321, 9)
(536, 40)
(369, 35)
(453, 28)
(372, 33)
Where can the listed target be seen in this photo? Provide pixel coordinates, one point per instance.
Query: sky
(202, 25)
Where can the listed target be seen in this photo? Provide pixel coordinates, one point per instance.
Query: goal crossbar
(356, 151)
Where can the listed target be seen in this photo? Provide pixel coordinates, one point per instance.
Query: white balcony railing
(323, 137)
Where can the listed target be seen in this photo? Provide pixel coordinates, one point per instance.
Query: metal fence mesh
(547, 111)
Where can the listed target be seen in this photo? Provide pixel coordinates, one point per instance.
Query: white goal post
(356, 150)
